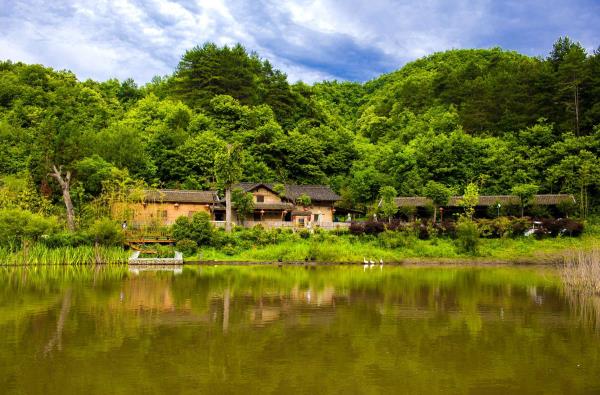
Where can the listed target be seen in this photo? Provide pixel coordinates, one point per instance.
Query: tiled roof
(180, 196)
(486, 200)
(321, 193)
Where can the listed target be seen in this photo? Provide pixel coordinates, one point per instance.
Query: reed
(581, 277)
(581, 271)
(39, 254)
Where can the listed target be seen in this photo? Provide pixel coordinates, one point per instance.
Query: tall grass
(581, 276)
(353, 249)
(39, 254)
(581, 271)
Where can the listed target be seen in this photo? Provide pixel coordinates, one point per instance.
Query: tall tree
(228, 171)
(569, 61)
(526, 194)
(387, 206)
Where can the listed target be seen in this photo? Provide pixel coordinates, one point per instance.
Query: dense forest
(489, 116)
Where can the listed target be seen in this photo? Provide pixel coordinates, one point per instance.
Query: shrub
(467, 236)
(540, 233)
(304, 233)
(421, 230)
(486, 228)
(448, 228)
(563, 226)
(106, 232)
(356, 228)
(321, 252)
(66, 239)
(518, 226)
(395, 239)
(572, 227)
(187, 247)
(198, 229)
(373, 228)
(502, 226)
(229, 249)
(17, 225)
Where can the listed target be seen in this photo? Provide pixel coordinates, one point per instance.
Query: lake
(318, 330)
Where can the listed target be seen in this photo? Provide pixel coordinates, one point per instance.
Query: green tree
(439, 195)
(243, 203)
(228, 171)
(387, 205)
(577, 174)
(526, 194)
(470, 199)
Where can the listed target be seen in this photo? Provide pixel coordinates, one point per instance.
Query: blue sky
(310, 40)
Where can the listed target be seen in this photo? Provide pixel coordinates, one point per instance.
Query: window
(163, 214)
(260, 198)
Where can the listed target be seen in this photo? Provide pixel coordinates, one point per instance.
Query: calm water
(292, 330)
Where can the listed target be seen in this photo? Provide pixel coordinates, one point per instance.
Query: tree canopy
(448, 118)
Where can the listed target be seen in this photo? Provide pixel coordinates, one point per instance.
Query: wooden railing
(135, 236)
(288, 224)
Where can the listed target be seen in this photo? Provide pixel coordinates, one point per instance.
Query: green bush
(106, 232)
(518, 226)
(229, 250)
(198, 228)
(187, 247)
(502, 226)
(304, 233)
(395, 239)
(467, 236)
(66, 239)
(17, 225)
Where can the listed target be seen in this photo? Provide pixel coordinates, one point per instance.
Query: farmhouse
(488, 204)
(273, 207)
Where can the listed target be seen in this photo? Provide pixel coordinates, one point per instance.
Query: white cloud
(308, 39)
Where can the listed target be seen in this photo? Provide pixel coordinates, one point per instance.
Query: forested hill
(492, 116)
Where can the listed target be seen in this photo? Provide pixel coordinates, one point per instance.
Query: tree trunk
(522, 210)
(228, 209)
(65, 186)
(576, 110)
(434, 213)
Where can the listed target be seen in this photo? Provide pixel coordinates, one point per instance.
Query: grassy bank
(349, 249)
(334, 248)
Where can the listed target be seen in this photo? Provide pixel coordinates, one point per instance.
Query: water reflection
(291, 329)
(137, 269)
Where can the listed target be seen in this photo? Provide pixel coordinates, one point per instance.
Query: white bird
(365, 264)
(371, 263)
(380, 264)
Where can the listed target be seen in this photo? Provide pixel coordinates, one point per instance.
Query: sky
(309, 40)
